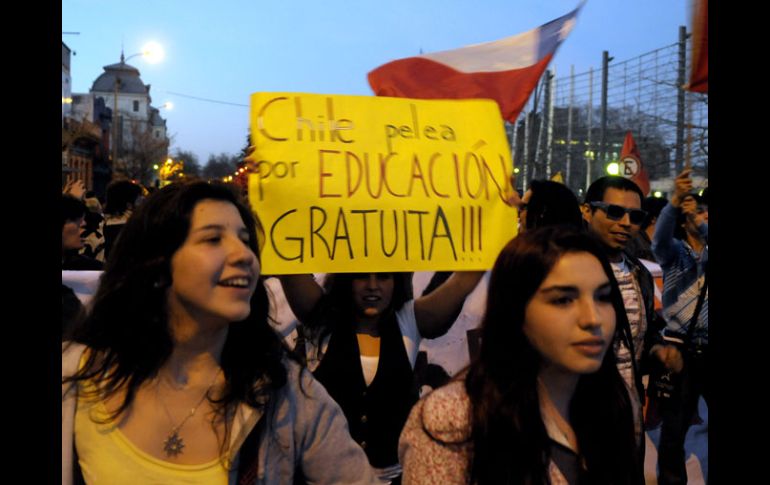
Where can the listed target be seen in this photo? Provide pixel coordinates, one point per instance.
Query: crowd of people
(174, 371)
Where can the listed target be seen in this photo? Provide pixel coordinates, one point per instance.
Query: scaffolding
(576, 124)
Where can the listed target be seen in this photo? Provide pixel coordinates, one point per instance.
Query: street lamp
(169, 169)
(153, 52)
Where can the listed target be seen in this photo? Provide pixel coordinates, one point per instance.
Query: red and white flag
(699, 71)
(505, 70)
(631, 164)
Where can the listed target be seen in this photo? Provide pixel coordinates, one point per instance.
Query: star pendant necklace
(174, 444)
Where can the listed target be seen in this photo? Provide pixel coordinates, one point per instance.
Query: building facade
(139, 136)
(113, 131)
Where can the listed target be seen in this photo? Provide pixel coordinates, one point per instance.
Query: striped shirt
(633, 302)
(634, 305)
(683, 278)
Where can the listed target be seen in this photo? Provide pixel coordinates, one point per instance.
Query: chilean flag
(631, 164)
(505, 70)
(699, 73)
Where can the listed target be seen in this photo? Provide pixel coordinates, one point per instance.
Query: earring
(160, 283)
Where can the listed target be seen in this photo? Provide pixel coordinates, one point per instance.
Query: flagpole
(680, 101)
(688, 153)
(588, 152)
(525, 157)
(549, 135)
(541, 126)
(513, 142)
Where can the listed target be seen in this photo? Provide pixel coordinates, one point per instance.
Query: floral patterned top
(435, 447)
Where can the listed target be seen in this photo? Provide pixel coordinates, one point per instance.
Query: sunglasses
(616, 212)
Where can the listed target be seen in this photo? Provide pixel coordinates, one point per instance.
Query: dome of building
(130, 82)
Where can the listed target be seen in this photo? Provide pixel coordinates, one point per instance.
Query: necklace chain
(174, 444)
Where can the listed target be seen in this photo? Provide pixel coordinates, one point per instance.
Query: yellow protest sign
(366, 184)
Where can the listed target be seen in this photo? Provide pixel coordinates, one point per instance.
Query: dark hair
(72, 209)
(121, 195)
(127, 328)
(653, 206)
(596, 190)
(681, 218)
(511, 444)
(552, 204)
(337, 306)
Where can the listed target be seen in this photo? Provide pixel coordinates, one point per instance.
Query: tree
(192, 168)
(220, 166)
(75, 130)
(245, 149)
(141, 151)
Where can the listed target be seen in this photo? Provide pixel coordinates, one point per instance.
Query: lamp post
(154, 53)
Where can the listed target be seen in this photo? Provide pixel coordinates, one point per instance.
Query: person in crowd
(73, 212)
(549, 203)
(544, 402)
(545, 203)
(122, 197)
(176, 376)
(93, 232)
(72, 220)
(613, 213)
(363, 333)
(681, 245)
(640, 245)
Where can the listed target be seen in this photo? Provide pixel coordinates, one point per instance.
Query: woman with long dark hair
(549, 203)
(177, 377)
(544, 402)
(121, 199)
(363, 331)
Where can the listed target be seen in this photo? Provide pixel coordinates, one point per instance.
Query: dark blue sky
(225, 50)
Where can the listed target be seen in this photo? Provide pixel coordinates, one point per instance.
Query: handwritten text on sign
(362, 184)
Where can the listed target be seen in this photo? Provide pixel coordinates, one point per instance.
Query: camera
(665, 384)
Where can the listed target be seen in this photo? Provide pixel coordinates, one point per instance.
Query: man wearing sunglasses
(613, 214)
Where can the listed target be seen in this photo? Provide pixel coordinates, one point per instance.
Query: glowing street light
(613, 168)
(152, 52)
(169, 170)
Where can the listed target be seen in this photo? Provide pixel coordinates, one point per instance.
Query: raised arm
(434, 312)
(663, 241)
(75, 188)
(302, 292)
